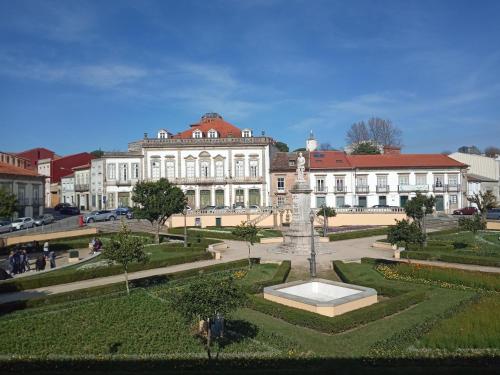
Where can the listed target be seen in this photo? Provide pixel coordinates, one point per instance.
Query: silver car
(103, 215)
(44, 219)
(23, 223)
(5, 226)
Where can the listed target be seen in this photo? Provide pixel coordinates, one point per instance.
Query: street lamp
(185, 227)
(312, 259)
(325, 227)
(424, 231)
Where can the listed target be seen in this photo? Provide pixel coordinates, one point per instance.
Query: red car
(466, 211)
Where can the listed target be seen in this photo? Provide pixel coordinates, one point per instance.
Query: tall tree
(483, 201)
(492, 151)
(406, 233)
(413, 207)
(205, 300)
(383, 132)
(248, 233)
(156, 201)
(125, 249)
(300, 149)
(326, 147)
(357, 133)
(365, 148)
(8, 204)
(97, 153)
(281, 146)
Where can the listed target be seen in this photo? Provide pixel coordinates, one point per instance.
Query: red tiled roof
(329, 160)
(36, 154)
(64, 166)
(403, 161)
(13, 170)
(223, 128)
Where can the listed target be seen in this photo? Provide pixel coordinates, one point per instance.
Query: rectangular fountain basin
(325, 297)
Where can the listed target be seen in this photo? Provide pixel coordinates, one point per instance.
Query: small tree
(157, 201)
(125, 249)
(8, 204)
(365, 148)
(326, 212)
(204, 300)
(247, 232)
(405, 232)
(413, 207)
(483, 201)
(473, 225)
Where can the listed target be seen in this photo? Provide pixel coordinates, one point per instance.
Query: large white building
(68, 189)
(213, 162)
(339, 180)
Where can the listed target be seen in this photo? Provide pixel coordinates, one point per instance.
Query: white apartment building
(213, 162)
(341, 180)
(68, 189)
(82, 186)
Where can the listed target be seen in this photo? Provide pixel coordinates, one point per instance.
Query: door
(320, 202)
(382, 200)
(190, 198)
(362, 201)
(123, 199)
(402, 200)
(239, 197)
(218, 221)
(339, 201)
(219, 197)
(204, 198)
(439, 203)
(254, 197)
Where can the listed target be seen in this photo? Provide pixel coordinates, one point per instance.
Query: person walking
(26, 261)
(52, 259)
(40, 263)
(46, 249)
(11, 263)
(21, 261)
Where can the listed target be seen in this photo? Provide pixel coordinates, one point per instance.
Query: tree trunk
(126, 281)
(249, 262)
(157, 235)
(209, 339)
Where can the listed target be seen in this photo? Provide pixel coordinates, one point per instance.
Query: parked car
(254, 208)
(123, 210)
(238, 206)
(466, 211)
(103, 215)
(5, 226)
(222, 207)
(59, 206)
(44, 219)
(345, 206)
(70, 210)
(493, 214)
(381, 206)
(209, 208)
(23, 223)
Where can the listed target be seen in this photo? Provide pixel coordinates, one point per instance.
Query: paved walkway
(347, 250)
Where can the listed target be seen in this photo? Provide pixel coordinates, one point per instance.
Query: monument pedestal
(297, 238)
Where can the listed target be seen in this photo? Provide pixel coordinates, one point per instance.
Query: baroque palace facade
(213, 162)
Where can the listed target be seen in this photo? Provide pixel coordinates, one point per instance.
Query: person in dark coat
(52, 259)
(40, 263)
(26, 261)
(11, 263)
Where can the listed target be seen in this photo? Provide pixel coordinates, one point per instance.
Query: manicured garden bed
(357, 234)
(224, 233)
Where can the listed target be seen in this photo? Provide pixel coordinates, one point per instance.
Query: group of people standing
(95, 245)
(19, 260)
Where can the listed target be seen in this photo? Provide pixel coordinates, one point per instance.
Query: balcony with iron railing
(340, 189)
(319, 189)
(412, 188)
(439, 188)
(82, 187)
(362, 189)
(453, 188)
(382, 188)
(213, 180)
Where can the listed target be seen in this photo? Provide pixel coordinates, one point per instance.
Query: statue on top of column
(301, 167)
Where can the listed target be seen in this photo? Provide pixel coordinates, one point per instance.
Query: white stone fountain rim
(363, 292)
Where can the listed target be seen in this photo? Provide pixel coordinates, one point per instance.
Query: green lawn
(222, 232)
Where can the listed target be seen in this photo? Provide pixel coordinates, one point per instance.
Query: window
(453, 180)
(239, 197)
(205, 198)
(254, 197)
(239, 168)
(281, 200)
(205, 169)
(340, 201)
(339, 184)
(438, 181)
(382, 181)
(281, 183)
(361, 180)
(219, 169)
(254, 168)
(191, 200)
(135, 170)
(421, 179)
(197, 134)
(212, 133)
(403, 180)
(190, 169)
(111, 171)
(320, 185)
(170, 169)
(320, 202)
(123, 172)
(219, 197)
(246, 133)
(453, 199)
(155, 169)
(291, 163)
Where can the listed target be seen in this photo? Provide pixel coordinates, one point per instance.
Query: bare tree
(357, 133)
(325, 147)
(383, 132)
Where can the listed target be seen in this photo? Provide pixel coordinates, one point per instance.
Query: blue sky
(81, 75)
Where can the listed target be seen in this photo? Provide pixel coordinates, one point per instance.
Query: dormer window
(246, 133)
(162, 134)
(197, 134)
(212, 133)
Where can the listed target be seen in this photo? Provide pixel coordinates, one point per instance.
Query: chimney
(391, 150)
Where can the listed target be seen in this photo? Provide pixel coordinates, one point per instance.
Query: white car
(5, 226)
(23, 223)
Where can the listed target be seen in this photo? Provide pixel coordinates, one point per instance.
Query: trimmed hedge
(357, 234)
(14, 285)
(279, 277)
(452, 258)
(340, 323)
(118, 287)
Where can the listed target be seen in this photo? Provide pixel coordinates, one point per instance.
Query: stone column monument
(297, 239)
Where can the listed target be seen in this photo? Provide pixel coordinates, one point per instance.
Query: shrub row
(34, 282)
(340, 323)
(279, 277)
(357, 234)
(8, 307)
(453, 258)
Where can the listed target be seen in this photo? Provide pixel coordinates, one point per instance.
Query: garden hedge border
(451, 258)
(8, 307)
(357, 234)
(279, 277)
(15, 285)
(340, 323)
